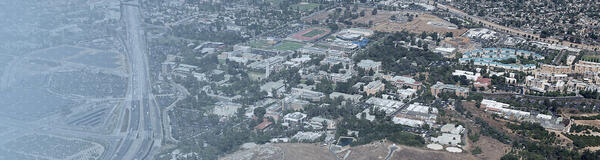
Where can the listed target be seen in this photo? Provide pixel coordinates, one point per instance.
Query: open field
(99, 59)
(288, 151)
(318, 16)
(411, 153)
(48, 146)
(18, 103)
(58, 53)
(424, 22)
(283, 45)
(595, 123)
(255, 75)
(490, 148)
(288, 45)
(372, 151)
(264, 44)
(375, 150)
(304, 151)
(303, 6)
(379, 150)
(382, 16)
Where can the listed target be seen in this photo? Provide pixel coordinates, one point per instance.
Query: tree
(314, 21)
(309, 82)
(326, 86)
(362, 13)
(449, 34)
(336, 68)
(474, 137)
(475, 151)
(374, 12)
(259, 112)
(343, 87)
(509, 157)
(371, 72)
(332, 26)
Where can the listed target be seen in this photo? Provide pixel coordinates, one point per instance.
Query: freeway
(143, 136)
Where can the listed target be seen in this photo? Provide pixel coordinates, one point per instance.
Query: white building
(417, 111)
(447, 139)
(368, 64)
(350, 97)
(406, 93)
(388, 106)
(502, 109)
(408, 122)
(294, 119)
(374, 87)
(367, 115)
(452, 128)
(278, 88)
(470, 75)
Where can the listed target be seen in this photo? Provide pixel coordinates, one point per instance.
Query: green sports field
(305, 6)
(259, 44)
(288, 45)
(314, 32)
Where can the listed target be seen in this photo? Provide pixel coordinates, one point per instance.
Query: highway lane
(144, 134)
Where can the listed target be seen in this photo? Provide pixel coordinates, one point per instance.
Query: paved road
(143, 137)
(391, 148)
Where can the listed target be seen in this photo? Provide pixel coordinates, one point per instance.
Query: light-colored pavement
(144, 134)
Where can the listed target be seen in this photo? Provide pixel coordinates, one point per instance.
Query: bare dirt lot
(297, 151)
(381, 16)
(381, 21)
(372, 151)
(595, 123)
(418, 25)
(491, 148)
(411, 153)
(288, 151)
(378, 150)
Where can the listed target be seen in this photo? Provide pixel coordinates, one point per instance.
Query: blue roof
(498, 54)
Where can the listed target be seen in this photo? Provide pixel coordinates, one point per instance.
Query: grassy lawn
(288, 45)
(255, 75)
(314, 32)
(259, 44)
(274, 2)
(591, 58)
(321, 46)
(305, 6)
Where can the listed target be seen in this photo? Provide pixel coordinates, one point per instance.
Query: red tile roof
(263, 125)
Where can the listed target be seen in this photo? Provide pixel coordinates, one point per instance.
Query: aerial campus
(300, 79)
